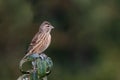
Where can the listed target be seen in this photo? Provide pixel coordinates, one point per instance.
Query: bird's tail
(25, 56)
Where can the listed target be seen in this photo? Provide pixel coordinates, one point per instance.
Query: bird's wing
(34, 41)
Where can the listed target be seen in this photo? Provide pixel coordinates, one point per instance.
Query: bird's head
(46, 27)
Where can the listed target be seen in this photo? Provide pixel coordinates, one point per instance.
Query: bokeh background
(85, 42)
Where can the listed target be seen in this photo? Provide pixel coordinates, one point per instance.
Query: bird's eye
(47, 26)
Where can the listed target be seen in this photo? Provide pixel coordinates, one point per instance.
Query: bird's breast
(44, 43)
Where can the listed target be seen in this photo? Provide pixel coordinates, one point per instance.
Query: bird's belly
(44, 45)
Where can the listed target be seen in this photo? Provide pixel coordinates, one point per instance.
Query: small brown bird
(41, 40)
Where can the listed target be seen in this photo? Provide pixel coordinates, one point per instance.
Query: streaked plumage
(41, 40)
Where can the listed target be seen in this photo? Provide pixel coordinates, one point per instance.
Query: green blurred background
(85, 42)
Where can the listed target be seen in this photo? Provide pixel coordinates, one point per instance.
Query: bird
(41, 40)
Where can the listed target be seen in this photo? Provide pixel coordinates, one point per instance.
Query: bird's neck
(46, 32)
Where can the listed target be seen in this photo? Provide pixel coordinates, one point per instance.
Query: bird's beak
(52, 27)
